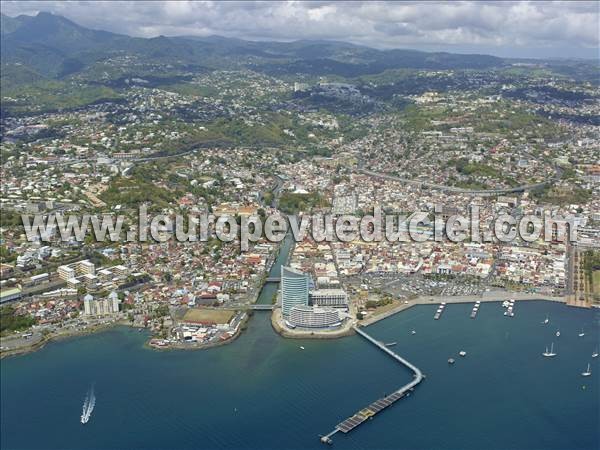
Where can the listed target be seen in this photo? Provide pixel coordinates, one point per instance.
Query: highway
(455, 190)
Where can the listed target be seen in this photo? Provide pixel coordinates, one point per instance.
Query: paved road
(455, 190)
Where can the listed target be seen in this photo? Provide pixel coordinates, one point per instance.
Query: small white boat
(549, 354)
(595, 354)
(557, 333)
(462, 353)
(301, 347)
(413, 332)
(451, 361)
(587, 372)
(88, 406)
(546, 320)
(581, 334)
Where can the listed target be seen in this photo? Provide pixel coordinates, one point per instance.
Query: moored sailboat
(549, 354)
(587, 372)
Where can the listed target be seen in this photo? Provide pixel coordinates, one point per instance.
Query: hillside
(56, 47)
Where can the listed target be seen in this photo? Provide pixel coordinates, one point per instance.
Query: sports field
(207, 316)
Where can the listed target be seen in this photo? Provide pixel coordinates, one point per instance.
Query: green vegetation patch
(11, 321)
(563, 196)
(474, 168)
(131, 192)
(53, 96)
(291, 203)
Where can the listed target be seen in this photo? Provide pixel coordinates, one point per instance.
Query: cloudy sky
(524, 29)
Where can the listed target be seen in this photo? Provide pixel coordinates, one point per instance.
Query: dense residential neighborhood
(508, 138)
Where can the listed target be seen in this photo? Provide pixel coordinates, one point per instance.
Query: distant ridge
(56, 47)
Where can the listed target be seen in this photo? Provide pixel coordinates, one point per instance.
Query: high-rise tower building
(294, 289)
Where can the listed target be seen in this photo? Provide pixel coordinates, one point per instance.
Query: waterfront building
(102, 306)
(336, 298)
(113, 298)
(294, 289)
(313, 317)
(87, 305)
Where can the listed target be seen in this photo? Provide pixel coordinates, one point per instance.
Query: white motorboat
(546, 320)
(88, 406)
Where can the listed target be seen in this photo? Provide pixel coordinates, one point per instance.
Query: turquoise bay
(262, 391)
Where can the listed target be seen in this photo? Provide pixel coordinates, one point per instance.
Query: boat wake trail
(88, 405)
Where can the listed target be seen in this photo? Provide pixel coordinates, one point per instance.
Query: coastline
(214, 377)
(38, 345)
(433, 300)
(207, 346)
(345, 330)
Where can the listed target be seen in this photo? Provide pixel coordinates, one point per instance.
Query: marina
(439, 311)
(475, 309)
(509, 305)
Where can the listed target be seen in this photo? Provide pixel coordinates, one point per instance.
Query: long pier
(366, 413)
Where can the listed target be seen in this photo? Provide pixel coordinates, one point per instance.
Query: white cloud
(498, 27)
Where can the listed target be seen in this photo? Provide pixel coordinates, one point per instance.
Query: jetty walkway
(366, 413)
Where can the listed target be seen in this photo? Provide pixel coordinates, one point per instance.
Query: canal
(269, 290)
